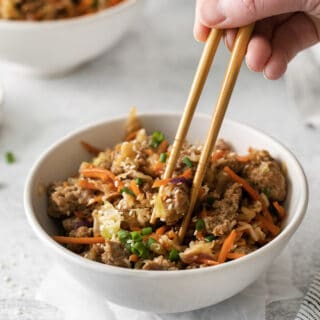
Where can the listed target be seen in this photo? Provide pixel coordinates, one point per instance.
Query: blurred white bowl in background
(52, 47)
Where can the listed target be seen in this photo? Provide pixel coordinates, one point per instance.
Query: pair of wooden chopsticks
(237, 55)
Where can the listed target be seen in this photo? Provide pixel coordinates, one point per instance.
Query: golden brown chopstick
(200, 77)
(237, 55)
(199, 80)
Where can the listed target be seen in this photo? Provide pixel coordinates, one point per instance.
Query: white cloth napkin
(303, 84)
(76, 303)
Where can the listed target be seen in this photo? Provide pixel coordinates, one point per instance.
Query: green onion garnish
(174, 255)
(150, 242)
(200, 225)
(136, 236)
(123, 235)
(187, 162)
(140, 250)
(267, 191)
(139, 182)
(145, 231)
(10, 158)
(128, 246)
(210, 238)
(127, 190)
(210, 201)
(156, 138)
(163, 157)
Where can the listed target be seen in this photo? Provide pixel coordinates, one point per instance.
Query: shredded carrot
(133, 258)
(153, 235)
(163, 146)
(245, 158)
(160, 231)
(208, 262)
(218, 155)
(135, 188)
(235, 255)
(187, 174)
(90, 148)
(227, 246)
(98, 173)
(270, 226)
(253, 193)
(131, 135)
(171, 234)
(159, 183)
(148, 151)
(88, 185)
(280, 209)
(119, 185)
(199, 235)
(82, 240)
(158, 166)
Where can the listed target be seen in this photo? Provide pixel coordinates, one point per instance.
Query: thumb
(236, 13)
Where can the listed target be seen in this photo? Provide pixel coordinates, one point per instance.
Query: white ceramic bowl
(160, 291)
(52, 47)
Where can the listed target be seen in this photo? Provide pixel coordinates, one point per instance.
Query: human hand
(283, 28)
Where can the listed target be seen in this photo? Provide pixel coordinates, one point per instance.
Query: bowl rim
(286, 233)
(68, 22)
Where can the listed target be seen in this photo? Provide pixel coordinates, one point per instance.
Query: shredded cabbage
(107, 220)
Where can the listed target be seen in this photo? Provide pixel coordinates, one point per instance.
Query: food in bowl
(51, 10)
(112, 211)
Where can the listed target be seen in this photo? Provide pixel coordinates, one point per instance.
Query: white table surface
(152, 68)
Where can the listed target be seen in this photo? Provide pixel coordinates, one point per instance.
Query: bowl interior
(63, 159)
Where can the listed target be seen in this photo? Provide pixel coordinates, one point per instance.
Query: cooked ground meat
(115, 254)
(220, 219)
(159, 263)
(95, 252)
(66, 198)
(135, 218)
(79, 233)
(175, 201)
(74, 223)
(267, 177)
(123, 200)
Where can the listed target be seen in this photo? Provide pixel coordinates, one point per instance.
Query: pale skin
(283, 28)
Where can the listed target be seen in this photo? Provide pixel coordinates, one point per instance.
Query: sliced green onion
(139, 182)
(10, 158)
(145, 231)
(127, 190)
(156, 138)
(187, 162)
(200, 225)
(163, 157)
(136, 236)
(174, 255)
(210, 201)
(123, 235)
(210, 238)
(150, 242)
(128, 246)
(140, 250)
(267, 191)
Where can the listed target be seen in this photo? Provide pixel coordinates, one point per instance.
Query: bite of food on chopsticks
(121, 210)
